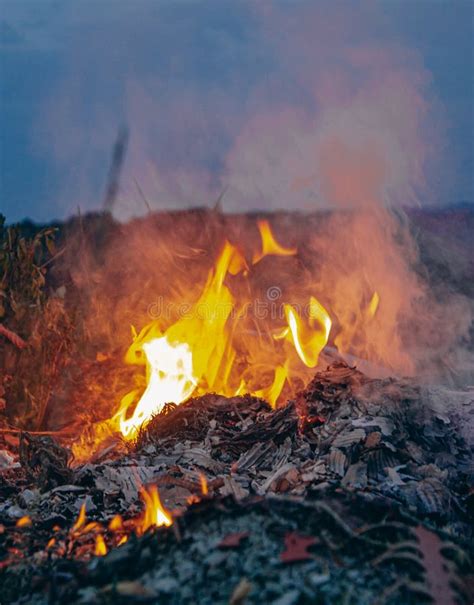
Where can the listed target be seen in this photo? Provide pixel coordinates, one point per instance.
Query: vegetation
(30, 312)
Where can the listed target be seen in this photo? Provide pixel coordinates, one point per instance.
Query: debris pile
(357, 491)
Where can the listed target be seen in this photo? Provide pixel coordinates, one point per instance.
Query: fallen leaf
(233, 540)
(373, 439)
(296, 548)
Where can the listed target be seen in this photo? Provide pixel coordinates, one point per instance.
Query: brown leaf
(296, 548)
(233, 540)
(373, 439)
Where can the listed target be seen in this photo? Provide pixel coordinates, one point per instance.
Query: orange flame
(155, 514)
(272, 392)
(222, 345)
(269, 244)
(24, 522)
(198, 353)
(100, 547)
(116, 523)
(309, 340)
(81, 519)
(374, 304)
(204, 487)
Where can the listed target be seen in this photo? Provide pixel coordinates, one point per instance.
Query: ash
(356, 492)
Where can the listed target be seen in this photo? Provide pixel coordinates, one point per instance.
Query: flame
(272, 392)
(221, 344)
(81, 519)
(269, 244)
(24, 522)
(310, 339)
(116, 523)
(155, 514)
(198, 353)
(374, 304)
(203, 482)
(100, 547)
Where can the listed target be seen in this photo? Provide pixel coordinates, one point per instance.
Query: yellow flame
(204, 487)
(272, 392)
(197, 354)
(81, 519)
(310, 339)
(191, 352)
(100, 547)
(155, 514)
(269, 244)
(116, 523)
(374, 304)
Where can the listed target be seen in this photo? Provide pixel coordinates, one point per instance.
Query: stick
(12, 337)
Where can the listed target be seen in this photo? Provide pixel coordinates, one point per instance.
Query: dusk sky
(251, 97)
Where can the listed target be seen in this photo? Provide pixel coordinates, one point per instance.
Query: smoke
(239, 96)
(303, 106)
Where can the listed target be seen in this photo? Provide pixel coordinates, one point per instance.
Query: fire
(202, 351)
(116, 524)
(155, 515)
(100, 549)
(87, 538)
(24, 522)
(81, 519)
(204, 486)
(374, 304)
(269, 245)
(309, 340)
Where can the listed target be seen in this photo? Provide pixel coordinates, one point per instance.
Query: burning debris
(250, 462)
(215, 345)
(339, 484)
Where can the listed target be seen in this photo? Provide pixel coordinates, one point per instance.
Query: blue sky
(243, 95)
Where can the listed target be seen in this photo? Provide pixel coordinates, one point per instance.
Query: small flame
(24, 522)
(81, 519)
(374, 304)
(272, 392)
(269, 244)
(155, 514)
(204, 487)
(116, 523)
(51, 543)
(100, 547)
(309, 340)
